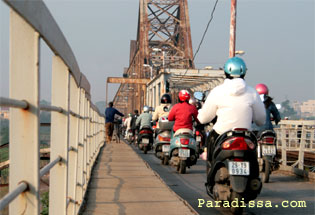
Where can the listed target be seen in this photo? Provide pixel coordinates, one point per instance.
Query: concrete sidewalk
(123, 184)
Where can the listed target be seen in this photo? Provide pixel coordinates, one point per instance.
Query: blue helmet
(235, 67)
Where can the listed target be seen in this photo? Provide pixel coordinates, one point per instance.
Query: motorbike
(266, 152)
(163, 139)
(129, 136)
(233, 174)
(183, 151)
(145, 139)
(200, 137)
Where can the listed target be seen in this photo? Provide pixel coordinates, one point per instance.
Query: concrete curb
(158, 176)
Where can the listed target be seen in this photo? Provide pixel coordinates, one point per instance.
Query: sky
(276, 35)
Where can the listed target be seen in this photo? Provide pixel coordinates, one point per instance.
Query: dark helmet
(198, 105)
(166, 99)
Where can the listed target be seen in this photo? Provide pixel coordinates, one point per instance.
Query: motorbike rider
(145, 118)
(234, 103)
(159, 112)
(127, 123)
(183, 113)
(271, 108)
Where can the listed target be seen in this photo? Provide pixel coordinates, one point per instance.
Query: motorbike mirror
(199, 95)
(166, 109)
(151, 109)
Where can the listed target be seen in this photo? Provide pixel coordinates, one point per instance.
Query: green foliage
(45, 203)
(288, 111)
(4, 131)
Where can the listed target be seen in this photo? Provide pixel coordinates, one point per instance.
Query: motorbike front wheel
(182, 167)
(265, 171)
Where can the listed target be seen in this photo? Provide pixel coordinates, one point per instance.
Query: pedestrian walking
(110, 113)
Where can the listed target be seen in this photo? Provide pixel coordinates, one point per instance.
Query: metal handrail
(47, 168)
(52, 108)
(12, 195)
(7, 102)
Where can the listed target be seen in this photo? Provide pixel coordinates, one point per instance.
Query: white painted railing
(77, 127)
(296, 136)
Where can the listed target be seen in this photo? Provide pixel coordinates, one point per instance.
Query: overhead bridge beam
(119, 80)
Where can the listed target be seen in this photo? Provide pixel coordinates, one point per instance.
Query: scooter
(200, 137)
(183, 152)
(129, 136)
(163, 139)
(233, 174)
(145, 139)
(266, 152)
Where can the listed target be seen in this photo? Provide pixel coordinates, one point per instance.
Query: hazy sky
(277, 36)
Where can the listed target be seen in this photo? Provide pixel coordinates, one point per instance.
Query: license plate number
(239, 168)
(184, 153)
(198, 138)
(165, 148)
(145, 141)
(268, 150)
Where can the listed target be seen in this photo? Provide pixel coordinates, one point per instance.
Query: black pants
(210, 143)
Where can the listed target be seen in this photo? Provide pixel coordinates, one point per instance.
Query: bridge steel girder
(163, 41)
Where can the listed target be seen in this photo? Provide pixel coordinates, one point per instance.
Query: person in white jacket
(235, 104)
(127, 123)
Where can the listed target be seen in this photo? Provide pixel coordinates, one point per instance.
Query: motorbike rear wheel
(236, 210)
(145, 149)
(265, 174)
(182, 167)
(165, 160)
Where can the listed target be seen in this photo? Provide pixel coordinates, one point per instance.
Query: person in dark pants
(110, 113)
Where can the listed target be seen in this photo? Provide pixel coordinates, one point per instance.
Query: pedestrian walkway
(123, 184)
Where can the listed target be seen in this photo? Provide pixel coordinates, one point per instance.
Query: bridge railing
(297, 136)
(77, 127)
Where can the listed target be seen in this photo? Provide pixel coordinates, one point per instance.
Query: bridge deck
(123, 184)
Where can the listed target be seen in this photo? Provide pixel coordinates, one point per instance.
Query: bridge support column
(24, 141)
(73, 144)
(59, 137)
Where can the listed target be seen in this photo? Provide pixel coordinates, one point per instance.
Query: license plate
(238, 168)
(198, 138)
(145, 141)
(165, 148)
(268, 150)
(184, 153)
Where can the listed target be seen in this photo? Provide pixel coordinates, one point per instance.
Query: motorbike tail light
(184, 141)
(238, 159)
(240, 129)
(145, 132)
(268, 140)
(197, 133)
(184, 148)
(250, 144)
(165, 139)
(235, 143)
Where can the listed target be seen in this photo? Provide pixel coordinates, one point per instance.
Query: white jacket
(235, 104)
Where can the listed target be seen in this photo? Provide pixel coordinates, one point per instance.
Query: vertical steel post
(302, 148)
(85, 145)
(59, 137)
(233, 28)
(283, 146)
(80, 175)
(24, 124)
(73, 144)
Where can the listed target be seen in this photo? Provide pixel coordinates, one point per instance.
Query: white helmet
(146, 109)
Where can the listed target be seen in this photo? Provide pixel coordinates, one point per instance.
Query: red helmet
(184, 95)
(262, 89)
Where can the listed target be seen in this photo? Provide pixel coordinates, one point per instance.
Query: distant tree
(101, 105)
(4, 131)
(288, 111)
